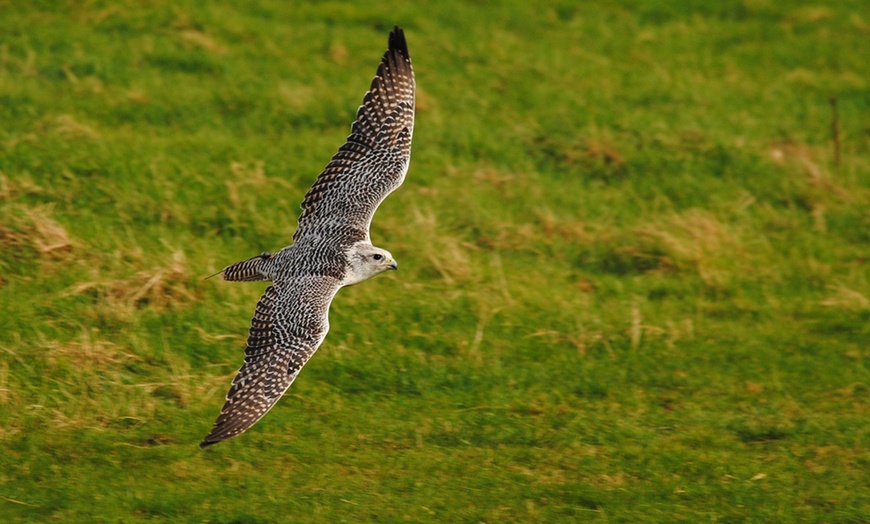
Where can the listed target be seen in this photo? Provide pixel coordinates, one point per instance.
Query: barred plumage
(331, 247)
(246, 270)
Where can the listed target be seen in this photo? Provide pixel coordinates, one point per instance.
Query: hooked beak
(394, 265)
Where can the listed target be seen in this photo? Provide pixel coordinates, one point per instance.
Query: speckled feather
(292, 317)
(373, 162)
(289, 324)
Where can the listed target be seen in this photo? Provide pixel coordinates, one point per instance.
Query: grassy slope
(633, 285)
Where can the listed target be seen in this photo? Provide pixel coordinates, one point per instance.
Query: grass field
(633, 249)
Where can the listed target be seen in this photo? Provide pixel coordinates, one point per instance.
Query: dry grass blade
(843, 297)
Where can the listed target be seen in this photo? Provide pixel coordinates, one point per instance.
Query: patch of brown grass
(812, 14)
(159, 287)
(584, 152)
(71, 129)
(34, 228)
(604, 152)
(202, 41)
(248, 182)
(822, 188)
(338, 53)
(571, 230)
(85, 378)
(88, 353)
(698, 240)
(23, 184)
(5, 390)
(92, 388)
(819, 185)
(296, 96)
(843, 297)
(447, 256)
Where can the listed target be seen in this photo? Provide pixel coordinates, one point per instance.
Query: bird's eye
(378, 257)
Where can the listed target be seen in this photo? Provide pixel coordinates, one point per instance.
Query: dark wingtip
(206, 443)
(398, 43)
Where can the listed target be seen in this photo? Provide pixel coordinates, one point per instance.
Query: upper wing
(373, 162)
(290, 322)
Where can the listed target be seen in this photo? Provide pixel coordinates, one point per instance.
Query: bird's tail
(250, 270)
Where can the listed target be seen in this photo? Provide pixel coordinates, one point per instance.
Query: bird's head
(366, 261)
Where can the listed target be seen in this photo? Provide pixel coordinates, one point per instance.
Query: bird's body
(331, 248)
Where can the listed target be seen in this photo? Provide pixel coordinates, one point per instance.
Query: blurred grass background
(633, 242)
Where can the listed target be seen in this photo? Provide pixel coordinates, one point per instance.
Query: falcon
(331, 247)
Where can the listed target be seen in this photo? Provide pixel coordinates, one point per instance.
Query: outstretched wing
(374, 160)
(290, 322)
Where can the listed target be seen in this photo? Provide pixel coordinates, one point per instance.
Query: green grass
(634, 279)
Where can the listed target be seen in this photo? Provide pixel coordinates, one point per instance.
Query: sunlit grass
(633, 247)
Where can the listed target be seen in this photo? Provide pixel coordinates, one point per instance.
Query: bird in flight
(331, 247)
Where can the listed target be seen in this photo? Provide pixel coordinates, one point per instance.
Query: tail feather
(249, 270)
